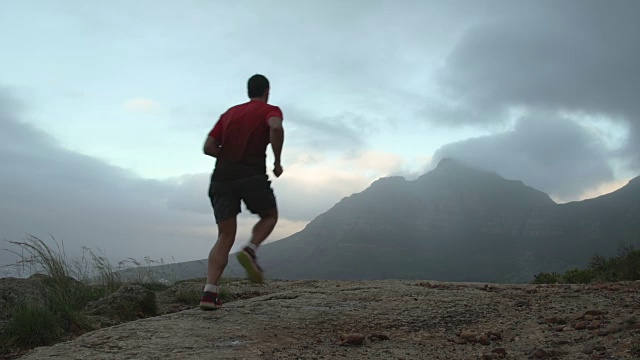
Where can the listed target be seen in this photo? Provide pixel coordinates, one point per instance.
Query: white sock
(211, 288)
(253, 247)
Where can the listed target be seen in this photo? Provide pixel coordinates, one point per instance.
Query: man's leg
(264, 227)
(218, 258)
(226, 206)
(247, 257)
(219, 254)
(259, 198)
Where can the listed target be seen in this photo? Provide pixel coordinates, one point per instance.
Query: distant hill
(455, 223)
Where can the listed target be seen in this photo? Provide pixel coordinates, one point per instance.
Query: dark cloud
(576, 56)
(557, 156)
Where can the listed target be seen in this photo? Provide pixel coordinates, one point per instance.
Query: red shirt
(243, 133)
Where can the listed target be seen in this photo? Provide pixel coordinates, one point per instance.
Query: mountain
(455, 223)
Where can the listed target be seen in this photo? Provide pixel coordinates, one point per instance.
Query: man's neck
(261, 98)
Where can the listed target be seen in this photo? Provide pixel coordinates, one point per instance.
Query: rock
(559, 328)
(305, 319)
(376, 337)
(555, 320)
(603, 332)
(351, 339)
(15, 290)
(577, 317)
(127, 303)
(521, 303)
(459, 341)
(468, 335)
(502, 353)
(595, 324)
(484, 340)
(593, 312)
(539, 354)
(581, 325)
(589, 349)
(614, 328)
(600, 348)
(562, 342)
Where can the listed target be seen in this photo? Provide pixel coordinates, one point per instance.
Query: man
(239, 143)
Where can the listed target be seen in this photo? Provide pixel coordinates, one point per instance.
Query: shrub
(624, 267)
(546, 278)
(188, 297)
(66, 296)
(32, 326)
(575, 276)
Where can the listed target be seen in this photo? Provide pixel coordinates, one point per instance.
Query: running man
(239, 142)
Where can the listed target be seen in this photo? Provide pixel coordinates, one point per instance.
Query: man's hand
(277, 169)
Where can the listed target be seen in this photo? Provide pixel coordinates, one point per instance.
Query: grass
(624, 267)
(32, 326)
(70, 285)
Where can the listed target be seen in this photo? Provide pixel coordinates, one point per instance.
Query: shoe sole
(255, 276)
(209, 306)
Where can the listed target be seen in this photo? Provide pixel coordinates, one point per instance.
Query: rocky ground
(378, 320)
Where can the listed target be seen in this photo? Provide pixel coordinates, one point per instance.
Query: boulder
(129, 302)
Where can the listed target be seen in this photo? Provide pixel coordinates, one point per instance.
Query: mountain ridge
(454, 223)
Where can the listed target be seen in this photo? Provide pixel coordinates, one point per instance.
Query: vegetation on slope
(624, 267)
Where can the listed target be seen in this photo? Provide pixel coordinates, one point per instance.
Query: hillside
(455, 223)
(396, 319)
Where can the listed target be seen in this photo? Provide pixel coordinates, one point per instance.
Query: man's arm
(212, 147)
(276, 136)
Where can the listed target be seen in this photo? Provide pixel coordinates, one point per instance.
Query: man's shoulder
(238, 106)
(273, 108)
(267, 106)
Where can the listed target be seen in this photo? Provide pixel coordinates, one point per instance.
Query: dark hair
(257, 86)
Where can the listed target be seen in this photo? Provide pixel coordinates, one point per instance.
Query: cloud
(602, 189)
(307, 188)
(140, 105)
(555, 155)
(570, 56)
(46, 189)
(346, 131)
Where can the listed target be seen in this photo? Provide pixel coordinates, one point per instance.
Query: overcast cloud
(575, 59)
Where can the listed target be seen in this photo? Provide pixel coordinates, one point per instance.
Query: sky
(104, 107)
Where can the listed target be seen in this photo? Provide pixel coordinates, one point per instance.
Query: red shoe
(247, 259)
(210, 301)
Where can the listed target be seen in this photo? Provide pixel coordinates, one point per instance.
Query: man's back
(243, 133)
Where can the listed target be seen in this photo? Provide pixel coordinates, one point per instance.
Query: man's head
(258, 87)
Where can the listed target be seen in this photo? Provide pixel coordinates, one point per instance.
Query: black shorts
(255, 191)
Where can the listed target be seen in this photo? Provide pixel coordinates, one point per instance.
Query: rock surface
(16, 290)
(316, 319)
(128, 302)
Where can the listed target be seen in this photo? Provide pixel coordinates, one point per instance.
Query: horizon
(104, 108)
